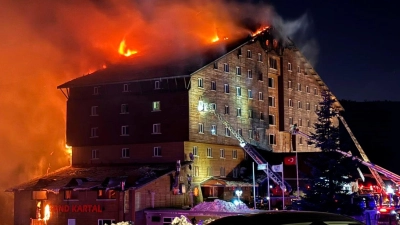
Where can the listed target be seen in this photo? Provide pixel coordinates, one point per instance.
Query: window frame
(125, 153)
(156, 128)
(157, 151)
(125, 130)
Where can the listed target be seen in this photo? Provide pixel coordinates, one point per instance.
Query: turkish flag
(290, 160)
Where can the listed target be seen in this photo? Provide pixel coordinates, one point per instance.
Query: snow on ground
(220, 206)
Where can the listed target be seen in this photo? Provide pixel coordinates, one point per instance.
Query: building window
(249, 55)
(250, 94)
(213, 106)
(226, 110)
(157, 128)
(125, 130)
(289, 66)
(290, 121)
(238, 91)
(238, 112)
(222, 153)
(307, 89)
(156, 85)
(157, 151)
(259, 57)
(290, 84)
(239, 131)
(261, 116)
(300, 140)
(315, 91)
(156, 106)
(70, 194)
(125, 153)
(299, 105)
(227, 132)
(195, 151)
(201, 128)
(250, 74)
(239, 52)
(95, 153)
(226, 88)
(260, 76)
(195, 174)
(260, 96)
(222, 171)
(103, 222)
(235, 172)
(124, 109)
(298, 69)
(93, 132)
(273, 64)
(226, 67)
(96, 90)
(238, 70)
(251, 134)
(308, 106)
(234, 154)
(213, 129)
(215, 65)
(200, 82)
(308, 123)
(93, 111)
(271, 82)
(209, 153)
(250, 113)
(298, 87)
(300, 123)
(213, 86)
(125, 88)
(272, 139)
(271, 101)
(315, 108)
(271, 119)
(290, 103)
(210, 171)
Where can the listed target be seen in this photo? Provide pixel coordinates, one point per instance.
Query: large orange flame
(46, 213)
(123, 50)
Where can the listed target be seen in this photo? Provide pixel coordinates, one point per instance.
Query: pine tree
(330, 171)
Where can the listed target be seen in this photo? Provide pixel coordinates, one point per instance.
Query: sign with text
(76, 209)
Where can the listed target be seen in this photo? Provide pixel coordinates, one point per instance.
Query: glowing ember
(124, 51)
(215, 39)
(260, 30)
(46, 213)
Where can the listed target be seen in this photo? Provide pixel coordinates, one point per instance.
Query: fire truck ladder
(255, 155)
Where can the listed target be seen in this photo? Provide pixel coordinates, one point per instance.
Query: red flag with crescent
(290, 160)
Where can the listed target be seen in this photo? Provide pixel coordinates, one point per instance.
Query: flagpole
(297, 174)
(269, 197)
(283, 191)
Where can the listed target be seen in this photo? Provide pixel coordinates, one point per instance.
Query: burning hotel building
(151, 136)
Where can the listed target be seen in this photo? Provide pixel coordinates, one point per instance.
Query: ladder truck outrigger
(248, 148)
(375, 169)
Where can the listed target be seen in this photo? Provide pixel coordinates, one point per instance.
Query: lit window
(234, 154)
(290, 121)
(125, 130)
(250, 94)
(272, 139)
(214, 129)
(222, 153)
(201, 128)
(249, 55)
(273, 64)
(250, 74)
(94, 111)
(93, 132)
(226, 88)
(238, 91)
(125, 153)
(238, 71)
(271, 82)
(227, 132)
(124, 109)
(289, 66)
(156, 106)
(290, 103)
(95, 90)
(95, 154)
(290, 84)
(251, 134)
(260, 96)
(271, 119)
(156, 84)
(226, 110)
(157, 151)
(106, 194)
(195, 151)
(70, 194)
(209, 153)
(157, 128)
(298, 87)
(200, 82)
(238, 112)
(271, 101)
(299, 105)
(259, 57)
(226, 67)
(213, 85)
(125, 88)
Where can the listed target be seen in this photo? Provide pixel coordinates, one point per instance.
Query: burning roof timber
(100, 177)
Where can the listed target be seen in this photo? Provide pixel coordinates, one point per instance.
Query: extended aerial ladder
(254, 154)
(375, 169)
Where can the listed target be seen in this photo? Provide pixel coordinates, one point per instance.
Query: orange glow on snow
(123, 50)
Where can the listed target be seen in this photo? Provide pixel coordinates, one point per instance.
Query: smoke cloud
(46, 43)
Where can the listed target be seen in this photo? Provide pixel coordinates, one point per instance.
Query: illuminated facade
(127, 115)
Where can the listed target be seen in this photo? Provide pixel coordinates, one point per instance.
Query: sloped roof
(225, 182)
(109, 177)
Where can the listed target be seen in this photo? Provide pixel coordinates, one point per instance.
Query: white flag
(277, 168)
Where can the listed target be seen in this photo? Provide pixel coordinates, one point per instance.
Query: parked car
(288, 218)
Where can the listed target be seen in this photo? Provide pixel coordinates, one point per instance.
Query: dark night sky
(358, 45)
